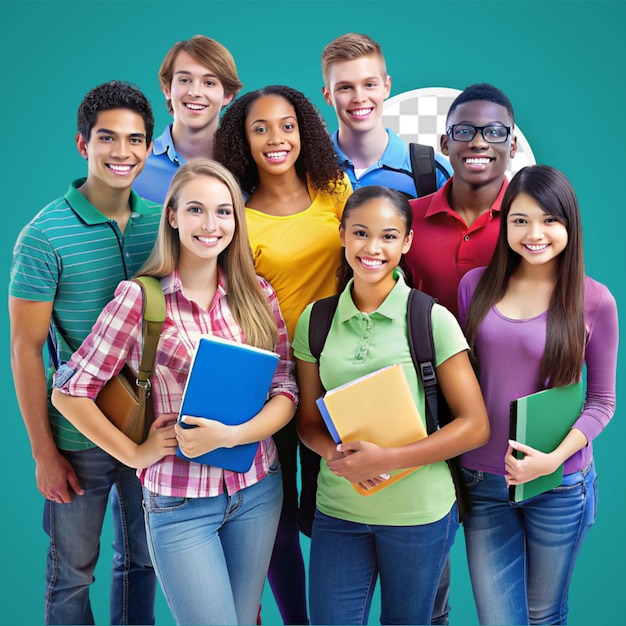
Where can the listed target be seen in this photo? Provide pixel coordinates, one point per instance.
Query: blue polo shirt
(392, 170)
(358, 344)
(161, 165)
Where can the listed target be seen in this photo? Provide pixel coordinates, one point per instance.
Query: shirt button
(128, 255)
(466, 238)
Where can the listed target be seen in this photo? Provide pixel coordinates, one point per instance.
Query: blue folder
(229, 382)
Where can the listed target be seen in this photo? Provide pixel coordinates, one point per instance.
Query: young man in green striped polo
(67, 263)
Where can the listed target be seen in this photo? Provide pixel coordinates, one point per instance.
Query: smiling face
(116, 150)
(356, 89)
(196, 93)
(478, 162)
(375, 238)
(204, 218)
(537, 237)
(273, 135)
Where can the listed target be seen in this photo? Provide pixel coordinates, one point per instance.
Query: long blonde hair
(246, 299)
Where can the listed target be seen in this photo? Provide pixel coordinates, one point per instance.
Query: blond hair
(247, 301)
(348, 47)
(208, 53)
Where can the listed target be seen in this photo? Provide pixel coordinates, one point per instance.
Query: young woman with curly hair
(275, 142)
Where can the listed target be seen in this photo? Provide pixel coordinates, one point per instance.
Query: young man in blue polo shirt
(198, 78)
(356, 84)
(67, 262)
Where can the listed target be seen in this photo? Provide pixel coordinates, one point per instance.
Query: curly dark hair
(115, 94)
(317, 157)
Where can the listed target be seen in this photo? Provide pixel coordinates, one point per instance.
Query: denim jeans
(211, 555)
(74, 530)
(347, 558)
(521, 555)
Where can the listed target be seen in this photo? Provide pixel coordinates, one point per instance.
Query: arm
(311, 427)
(601, 362)
(469, 429)
(30, 320)
(89, 420)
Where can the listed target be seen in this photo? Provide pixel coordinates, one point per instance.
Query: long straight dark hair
(565, 333)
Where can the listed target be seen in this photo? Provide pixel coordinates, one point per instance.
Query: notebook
(377, 407)
(542, 420)
(229, 382)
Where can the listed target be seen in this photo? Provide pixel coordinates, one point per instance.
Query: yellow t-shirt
(299, 254)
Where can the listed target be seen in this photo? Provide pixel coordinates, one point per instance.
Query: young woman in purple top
(532, 318)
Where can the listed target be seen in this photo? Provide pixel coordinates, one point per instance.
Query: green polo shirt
(359, 343)
(74, 256)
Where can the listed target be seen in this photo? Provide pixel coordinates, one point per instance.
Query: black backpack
(422, 349)
(424, 167)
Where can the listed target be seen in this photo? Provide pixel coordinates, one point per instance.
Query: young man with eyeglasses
(455, 229)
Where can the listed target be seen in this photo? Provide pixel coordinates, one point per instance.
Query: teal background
(561, 64)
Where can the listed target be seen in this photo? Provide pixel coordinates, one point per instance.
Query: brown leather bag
(124, 399)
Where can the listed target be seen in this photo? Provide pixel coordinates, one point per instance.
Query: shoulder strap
(153, 318)
(424, 168)
(321, 319)
(422, 348)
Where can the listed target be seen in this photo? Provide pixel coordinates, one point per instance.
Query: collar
(164, 144)
(393, 156)
(393, 307)
(89, 213)
(439, 200)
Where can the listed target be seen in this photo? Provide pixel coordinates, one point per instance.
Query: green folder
(542, 420)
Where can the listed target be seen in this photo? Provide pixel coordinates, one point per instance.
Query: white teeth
(536, 247)
(360, 112)
(119, 168)
(208, 239)
(477, 161)
(195, 107)
(277, 155)
(371, 262)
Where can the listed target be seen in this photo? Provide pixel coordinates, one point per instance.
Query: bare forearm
(277, 412)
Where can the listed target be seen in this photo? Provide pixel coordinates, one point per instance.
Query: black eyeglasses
(491, 134)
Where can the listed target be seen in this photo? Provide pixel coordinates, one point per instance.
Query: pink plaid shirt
(116, 338)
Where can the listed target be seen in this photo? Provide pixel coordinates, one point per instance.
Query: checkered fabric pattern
(419, 116)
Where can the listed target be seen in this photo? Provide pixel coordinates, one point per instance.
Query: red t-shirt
(444, 248)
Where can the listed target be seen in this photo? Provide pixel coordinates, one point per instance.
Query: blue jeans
(74, 530)
(521, 555)
(347, 558)
(211, 555)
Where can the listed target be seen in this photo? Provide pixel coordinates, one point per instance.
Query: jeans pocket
(156, 503)
(471, 477)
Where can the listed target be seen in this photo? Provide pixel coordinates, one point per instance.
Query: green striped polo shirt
(75, 256)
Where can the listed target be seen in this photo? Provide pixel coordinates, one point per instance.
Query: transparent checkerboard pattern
(419, 116)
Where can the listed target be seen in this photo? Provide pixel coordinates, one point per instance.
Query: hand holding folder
(378, 408)
(542, 420)
(228, 382)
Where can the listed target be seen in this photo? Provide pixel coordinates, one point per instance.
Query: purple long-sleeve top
(510, 353)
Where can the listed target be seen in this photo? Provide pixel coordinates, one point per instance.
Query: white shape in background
(419, 116)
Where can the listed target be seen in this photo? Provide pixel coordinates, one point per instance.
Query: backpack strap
(322, 313)
(153, 318)
(422, 348)
(425, 167)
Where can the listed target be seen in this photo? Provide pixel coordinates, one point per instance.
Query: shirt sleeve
(467, 287)
(447, 334)
(601, 364)
(35, 269)
(104, 351)
(284, 381)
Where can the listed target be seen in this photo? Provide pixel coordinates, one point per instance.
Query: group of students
(263, 213)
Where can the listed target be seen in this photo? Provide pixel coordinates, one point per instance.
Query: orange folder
(377, 407)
